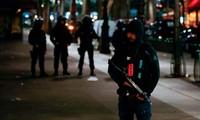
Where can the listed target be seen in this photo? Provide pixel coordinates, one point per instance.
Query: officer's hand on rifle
(127, 84)
(140, 97)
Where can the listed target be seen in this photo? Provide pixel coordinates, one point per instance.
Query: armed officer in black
(61, 39)
(37, 39)
(140, 62)
(86, 34)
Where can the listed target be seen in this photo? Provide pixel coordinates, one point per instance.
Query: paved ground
(79, 98)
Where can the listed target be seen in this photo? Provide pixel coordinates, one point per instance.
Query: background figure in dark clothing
(118, 36)
(37, 39)
(140, 62)
(86, 34)
(61, 39)
(119, 41)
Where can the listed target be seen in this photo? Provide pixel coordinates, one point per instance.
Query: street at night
(78, 97)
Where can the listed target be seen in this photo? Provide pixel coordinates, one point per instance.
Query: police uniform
(86, 34)
(61, 38)
(37, 39)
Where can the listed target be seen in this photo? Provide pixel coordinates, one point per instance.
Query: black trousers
(37, 54)
(60, 53)
(90, 51)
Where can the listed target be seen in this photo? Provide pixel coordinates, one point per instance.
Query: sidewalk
(177, 92)
(78, 98)
(181, 93)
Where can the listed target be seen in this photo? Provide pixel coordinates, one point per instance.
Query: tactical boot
(55, 73)
(92, 73)
(43, 74)
(80, 73)
(66, 73)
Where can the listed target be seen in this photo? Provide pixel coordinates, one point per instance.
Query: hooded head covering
(38, 23)
(61, 20)
(136, 27)
(120, 24)
(87, 21)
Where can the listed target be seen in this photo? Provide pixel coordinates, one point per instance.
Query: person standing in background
(86, 34)
(61, 38)
(118, 36)
(37, 39)
(118, 40)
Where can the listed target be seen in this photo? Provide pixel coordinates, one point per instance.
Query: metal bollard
(197, 66)
(182, 67)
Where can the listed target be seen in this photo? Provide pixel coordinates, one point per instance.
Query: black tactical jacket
(146, 71)
(143, 57)
(37, 39)
(60, 36)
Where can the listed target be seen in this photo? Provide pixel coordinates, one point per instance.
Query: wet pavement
(82, 97)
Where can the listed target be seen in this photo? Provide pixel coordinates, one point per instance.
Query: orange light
(71, 27)
(18, 10)
(66, 24)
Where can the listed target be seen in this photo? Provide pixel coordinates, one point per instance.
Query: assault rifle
(129, 80)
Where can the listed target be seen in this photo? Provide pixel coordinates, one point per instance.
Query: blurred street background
(171, 26)
(87, 98)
